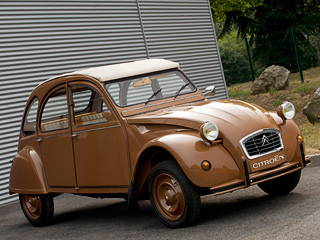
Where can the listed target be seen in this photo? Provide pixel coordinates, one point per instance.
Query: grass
(308, 87)
(311, 135)
(298, 93)
(239, 93)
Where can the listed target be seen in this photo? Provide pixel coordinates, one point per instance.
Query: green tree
(268, 24)
(234, 59)
(222, 7)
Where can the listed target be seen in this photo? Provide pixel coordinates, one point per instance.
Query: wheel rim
(32, 205)
(168, 196)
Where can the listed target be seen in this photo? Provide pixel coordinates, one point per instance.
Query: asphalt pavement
(243, 214)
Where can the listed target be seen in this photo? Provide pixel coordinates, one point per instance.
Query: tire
(173, 197)
(281, 185)
(38, 209)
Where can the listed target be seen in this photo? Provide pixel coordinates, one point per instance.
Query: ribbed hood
(235, 119)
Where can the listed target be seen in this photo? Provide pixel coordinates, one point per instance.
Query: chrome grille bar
(261, 142)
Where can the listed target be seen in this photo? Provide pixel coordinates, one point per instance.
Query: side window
(29, 124)
(88, 106)
(55, 112)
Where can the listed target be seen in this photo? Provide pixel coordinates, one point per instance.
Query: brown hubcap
(168, 196)
(32, 205)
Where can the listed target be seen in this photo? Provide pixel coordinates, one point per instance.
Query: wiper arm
(183, 87)
(153, 95)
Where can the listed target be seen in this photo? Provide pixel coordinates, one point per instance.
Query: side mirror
(210, 91)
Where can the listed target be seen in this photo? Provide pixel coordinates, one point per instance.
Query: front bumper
(258, 177)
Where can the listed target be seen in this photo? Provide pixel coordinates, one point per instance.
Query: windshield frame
(147, 75)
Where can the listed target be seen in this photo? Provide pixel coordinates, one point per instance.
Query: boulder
(273, 76)
(312, 109)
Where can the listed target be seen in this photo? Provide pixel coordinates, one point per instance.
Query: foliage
(268, 24)
(234, 59)
(222, 7)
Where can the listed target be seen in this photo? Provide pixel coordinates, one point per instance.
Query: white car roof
(122, 70)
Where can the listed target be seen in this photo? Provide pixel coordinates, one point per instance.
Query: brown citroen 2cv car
(143, 130)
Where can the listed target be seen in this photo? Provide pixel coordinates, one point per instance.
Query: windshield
(149, 88)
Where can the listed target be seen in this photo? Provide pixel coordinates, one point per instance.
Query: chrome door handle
(74, 135)
(39, 140)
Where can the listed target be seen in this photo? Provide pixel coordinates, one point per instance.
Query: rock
(273, 76)
(312, 109)
(260, 85)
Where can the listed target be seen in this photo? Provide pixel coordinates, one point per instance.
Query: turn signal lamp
(300, 138)
(206, 165)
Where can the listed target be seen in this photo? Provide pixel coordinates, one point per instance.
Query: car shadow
(213, 209)
(244, 206)
(104, 213)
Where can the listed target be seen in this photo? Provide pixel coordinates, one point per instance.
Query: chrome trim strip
(89, 130)
(54, 135)
(257, 133)
(95, 129)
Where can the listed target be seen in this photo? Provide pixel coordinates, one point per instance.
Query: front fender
(289, 132)
(27, 174)
(189, 150)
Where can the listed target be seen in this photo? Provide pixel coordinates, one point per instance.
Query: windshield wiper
(182, 87)
(153, 95)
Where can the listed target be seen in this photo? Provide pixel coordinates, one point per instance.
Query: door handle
(74, 135)
(39, 140)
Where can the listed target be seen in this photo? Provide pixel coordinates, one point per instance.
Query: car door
(55, 141)
(99, 142)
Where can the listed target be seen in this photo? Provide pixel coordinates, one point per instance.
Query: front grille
(262, 142)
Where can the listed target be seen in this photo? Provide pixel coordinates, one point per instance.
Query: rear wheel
(173, 197)
(281, 185)
(38, 209)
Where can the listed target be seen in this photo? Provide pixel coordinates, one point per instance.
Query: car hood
(235, 119)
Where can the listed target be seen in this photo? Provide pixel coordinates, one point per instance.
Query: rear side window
(55, 112)
(30, 118)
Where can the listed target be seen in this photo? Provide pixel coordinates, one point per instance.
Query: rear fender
(27, 173)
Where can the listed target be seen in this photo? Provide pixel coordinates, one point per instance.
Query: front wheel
(38, 209)
(281, 185)
(173, 197)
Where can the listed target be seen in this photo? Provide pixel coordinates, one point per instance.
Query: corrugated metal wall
(41, 39)
(182, 30)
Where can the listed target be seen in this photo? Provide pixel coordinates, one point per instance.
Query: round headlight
(286, 110)
(209, 131)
